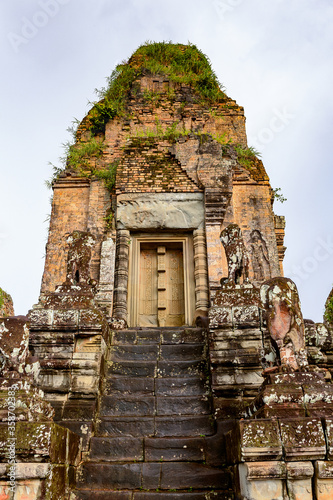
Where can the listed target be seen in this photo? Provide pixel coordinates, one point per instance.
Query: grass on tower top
(180, 63)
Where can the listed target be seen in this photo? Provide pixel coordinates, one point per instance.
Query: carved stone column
(280, 224)
(104, 296)
(200, 270)
(121, 274)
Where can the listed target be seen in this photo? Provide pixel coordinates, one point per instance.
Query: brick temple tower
(152, 335)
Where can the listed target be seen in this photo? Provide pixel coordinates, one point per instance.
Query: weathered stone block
(182, 352)
(303, 438)
(299, 480)
(151, 476)
(254, 440)
(179, 368)
(185, 386)
(65, 318)
(56, 381)
(188, 335)
(132, 368)
(116, 449)
(79, 409)
(174, 449)
(101, 495)
(123, 337)
(235, 357)
(318, 399)
(220, 317)
(245, 316)
(329, 437)
(323, 480)
(81, 429)
(85, 384)
(90, 343)
(32, 470)
(238, 378)
(190, 475)
(27, 490)
(126, 426)
(184, 426)
(39, 318)
(182, 405)
(233, 406)
(262, 480)
(133, 352)
(127, 385)
(98, 476)
(127, 406)
(163, 210)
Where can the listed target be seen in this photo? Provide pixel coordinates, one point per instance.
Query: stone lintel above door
(160, 211)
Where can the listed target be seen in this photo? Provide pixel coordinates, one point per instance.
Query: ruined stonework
(167, 357)
(6, 304)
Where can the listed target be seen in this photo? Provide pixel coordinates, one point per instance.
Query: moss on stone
(6, 304)
(182, 64)
(328, 312)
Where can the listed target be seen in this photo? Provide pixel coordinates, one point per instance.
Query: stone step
(134, 352)
(126, 449)
(151, 495)
(138, 426)
(131, 368)
(162, 368)
(158, 336)
(177, 352)
(151, 476)
(174, 449)
(171, 386)
(130, 405)
(137, 405)
(183, 426)
(180, 405)
(186, 336)
(180, 368)
(125, 426)
(116, 449)
(185, 386)
(129, 385)
(182, 352)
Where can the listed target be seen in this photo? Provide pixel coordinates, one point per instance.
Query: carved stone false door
(161, 290)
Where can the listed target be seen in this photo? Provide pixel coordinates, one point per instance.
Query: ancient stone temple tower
(174, 359)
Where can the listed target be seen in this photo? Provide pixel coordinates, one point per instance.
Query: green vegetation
(171, 133)
(184, 64)
(81, 157)
(247, 157)
(108, 175)
(328, 313)
(4, 296)
(277, 194)
(78, 156)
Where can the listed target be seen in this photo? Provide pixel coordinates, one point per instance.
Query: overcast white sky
(274, 57)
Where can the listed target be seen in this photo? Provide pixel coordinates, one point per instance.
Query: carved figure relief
(236, 253)
(259, 256)
(78, 258)
(279, 297)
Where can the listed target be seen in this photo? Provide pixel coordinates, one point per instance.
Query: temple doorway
(162, 282)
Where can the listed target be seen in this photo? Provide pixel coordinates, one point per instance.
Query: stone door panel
(161, 285)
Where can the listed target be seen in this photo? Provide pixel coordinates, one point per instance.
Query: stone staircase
(155, 435)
